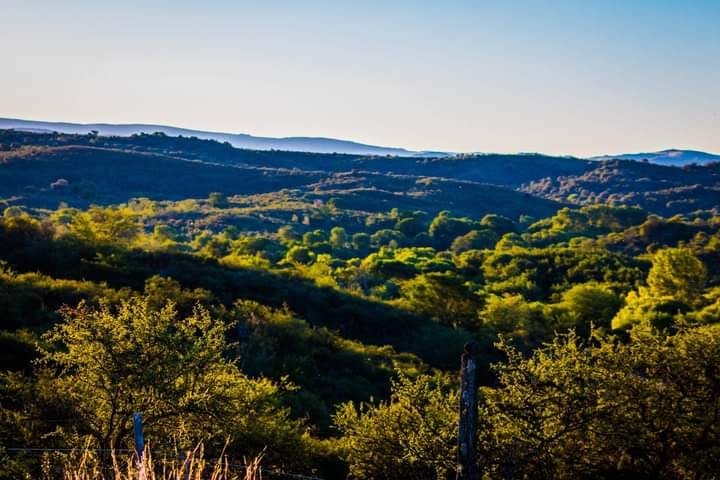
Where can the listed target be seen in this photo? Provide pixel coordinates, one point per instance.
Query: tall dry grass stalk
(87, 466)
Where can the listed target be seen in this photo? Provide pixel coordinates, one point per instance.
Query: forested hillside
(315, 307)
(44, 169)
(660, 189)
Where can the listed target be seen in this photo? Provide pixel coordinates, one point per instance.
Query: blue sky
(577, 77)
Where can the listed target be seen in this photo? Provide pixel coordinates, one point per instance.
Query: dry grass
(87, 466)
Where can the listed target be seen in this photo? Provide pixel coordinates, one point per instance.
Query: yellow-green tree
(105, 225)
(677, 273)
(338, 237)
(411, 436)
(589, 303)
(646, 408)
(109, 362)
(675, 284)
(444, 297)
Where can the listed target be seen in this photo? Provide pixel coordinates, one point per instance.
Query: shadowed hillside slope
(44, 169)
(41, 171)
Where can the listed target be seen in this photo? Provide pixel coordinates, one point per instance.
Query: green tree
(411, 436)
(642, 409)
(14, 212)
(474, 240)
(388, 238)
(410, 226)
(218, 200)
(164, 233)
(338, 237)
(510, 240)
(361, 242)
(505, 313)
(314, 237)
(287, 235)
(111, 362)
(299, 254)
(105, 225)
(677, 273)
(444, 297)
(675, 285)
(644, 308)
(216, 246)
(444, 229)
(501, 225)
(589, 303)
(511, 314)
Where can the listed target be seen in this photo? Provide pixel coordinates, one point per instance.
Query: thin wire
(42, 450)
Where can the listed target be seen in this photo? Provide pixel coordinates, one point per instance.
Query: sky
(577, 77)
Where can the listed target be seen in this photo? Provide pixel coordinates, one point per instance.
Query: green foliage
(412, 435)
(444, 229)
(527, 323)
(111, 362)
(361, 242)
(410, 226)
(283, 347)
(675, 284)
(642, 307)
(330, 302)
(299, 254)
(387, 238)
(499, 224)
(444, 297)
(338, 237)
(218, 200)
(677, 273)
(645, 408)
(286, 234)
(710, 312)
(13, 212)
(588, 304)
(642, 409)
(105, 225)
(165, 233)
(474, 240)
(315, 237)
(510, 241)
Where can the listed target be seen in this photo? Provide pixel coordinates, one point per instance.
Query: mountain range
(673, 157)
(237, 140)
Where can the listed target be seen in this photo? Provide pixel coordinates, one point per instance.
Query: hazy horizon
(572, 79)
(400, 147)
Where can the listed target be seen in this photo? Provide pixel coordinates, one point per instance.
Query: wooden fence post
(467, 425)
(139, 444)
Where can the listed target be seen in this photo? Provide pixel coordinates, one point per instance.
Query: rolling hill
(42, 170)
(665, 190)
(45, 170)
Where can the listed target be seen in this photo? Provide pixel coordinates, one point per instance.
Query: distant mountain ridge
(238, 140)
(673, 157)
(670, 157)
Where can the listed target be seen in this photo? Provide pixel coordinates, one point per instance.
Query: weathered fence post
(139, 444)
(467, 425)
